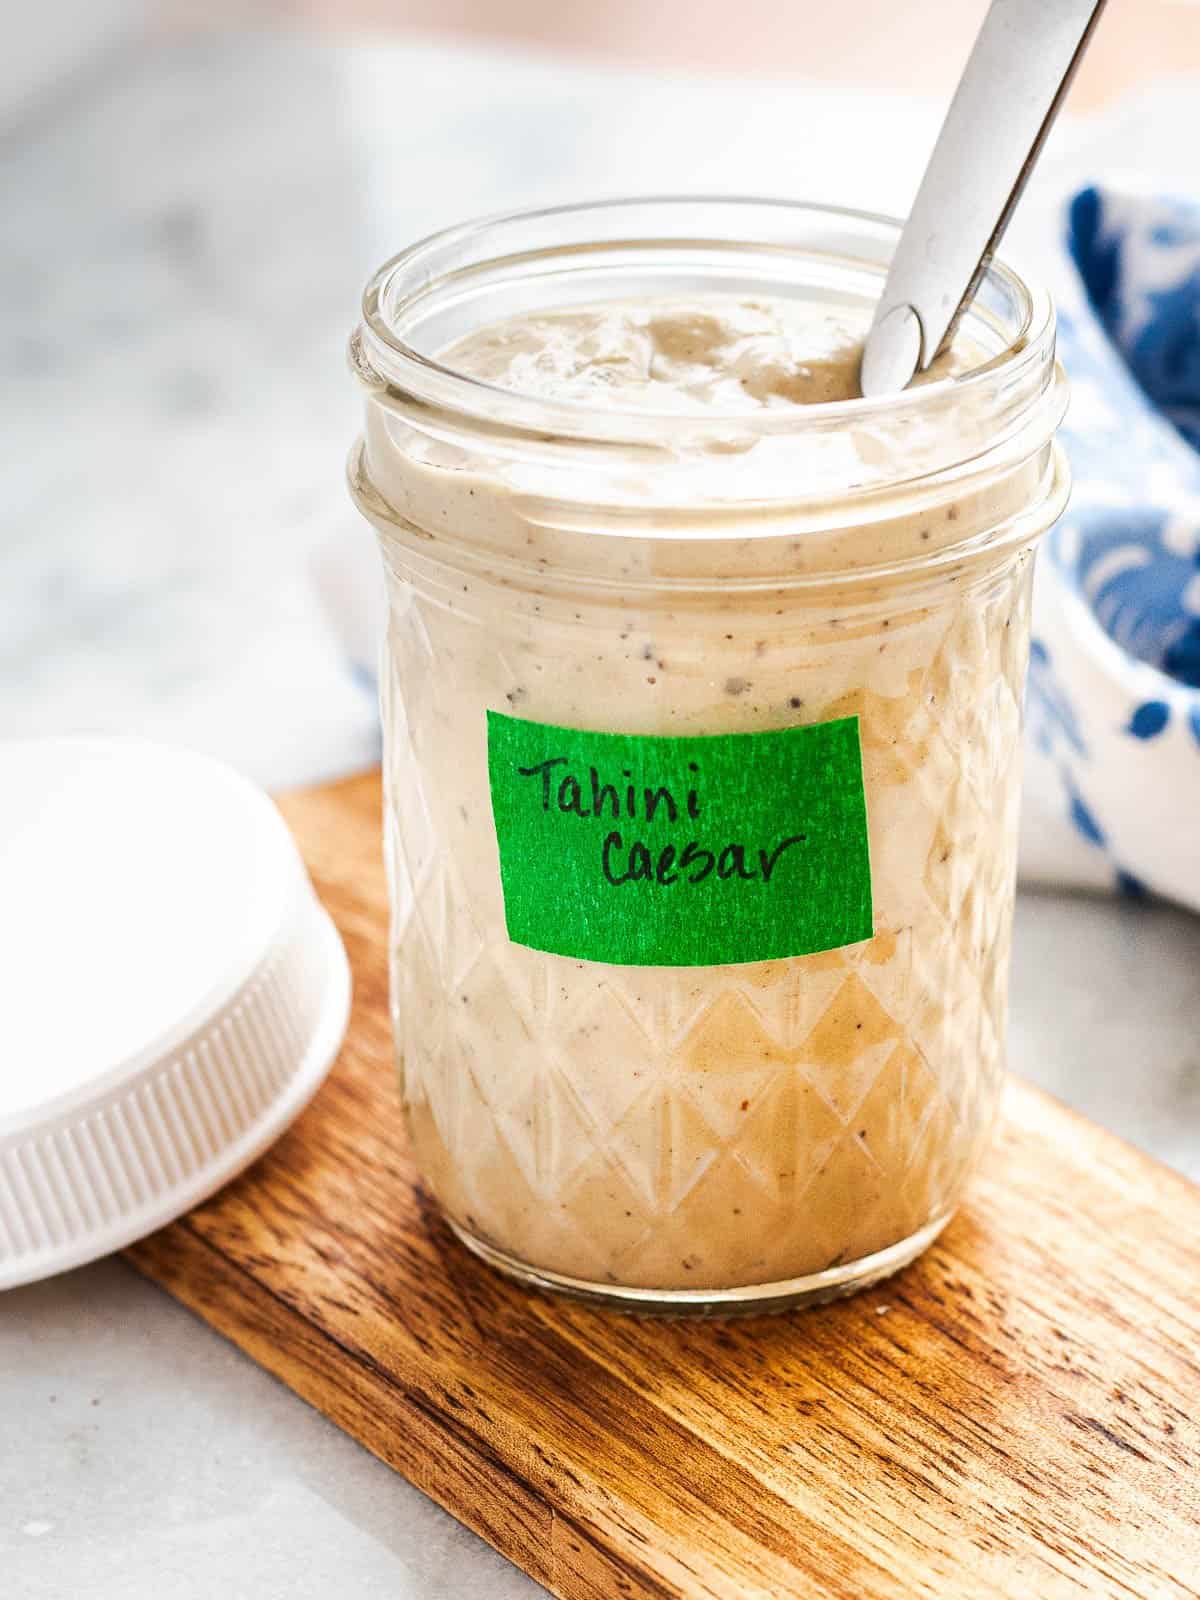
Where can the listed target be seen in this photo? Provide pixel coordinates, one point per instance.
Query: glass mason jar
(671, 1087)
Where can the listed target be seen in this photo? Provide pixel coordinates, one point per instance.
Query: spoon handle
(1014, 82)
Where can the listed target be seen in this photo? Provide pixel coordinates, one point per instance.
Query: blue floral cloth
(1114, 688)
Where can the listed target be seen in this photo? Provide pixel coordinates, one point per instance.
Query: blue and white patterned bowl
(1114, 686)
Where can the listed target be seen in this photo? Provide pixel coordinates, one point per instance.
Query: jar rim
(384, 358)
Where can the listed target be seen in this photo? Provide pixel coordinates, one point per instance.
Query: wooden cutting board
(1016, 1415)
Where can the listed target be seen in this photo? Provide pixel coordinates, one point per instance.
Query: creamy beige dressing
(698, 1128)
(723, 354)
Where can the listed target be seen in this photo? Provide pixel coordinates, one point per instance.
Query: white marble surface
(183, 233)
(143, 1458)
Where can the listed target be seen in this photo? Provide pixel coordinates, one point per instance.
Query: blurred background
(862, 41)
(193, 194)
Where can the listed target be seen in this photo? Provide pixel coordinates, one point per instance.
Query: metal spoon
(1009, 94)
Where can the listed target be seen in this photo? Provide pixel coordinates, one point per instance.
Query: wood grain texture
(1014, 1416)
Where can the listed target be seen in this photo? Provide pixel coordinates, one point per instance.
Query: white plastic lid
(172, 993)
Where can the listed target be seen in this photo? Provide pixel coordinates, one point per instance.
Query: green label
(691, 852)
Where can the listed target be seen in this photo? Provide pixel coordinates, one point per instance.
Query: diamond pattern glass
(689, 1128)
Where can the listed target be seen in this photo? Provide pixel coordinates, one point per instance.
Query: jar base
(748, 1300)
